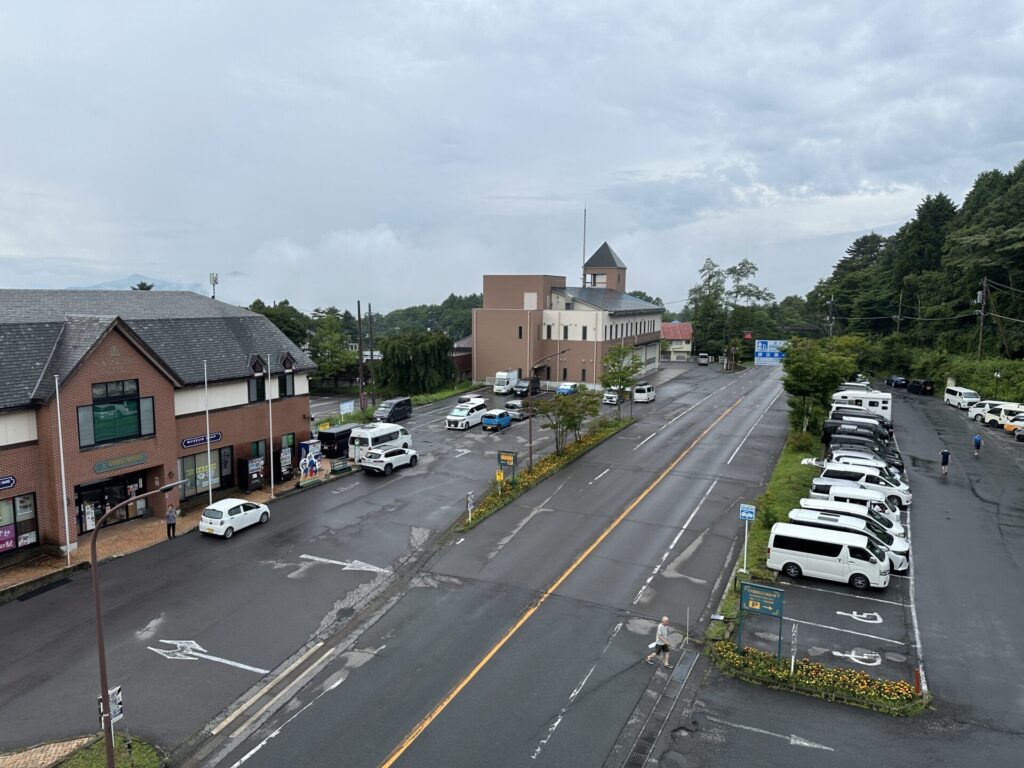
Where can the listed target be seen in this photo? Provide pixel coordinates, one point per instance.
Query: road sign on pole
(747, 512)
(116, 705)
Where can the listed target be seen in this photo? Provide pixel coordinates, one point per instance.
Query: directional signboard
(767, 601)
(747, 511)
(769, 351)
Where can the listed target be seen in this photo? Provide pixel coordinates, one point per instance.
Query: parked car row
(914, 386)
(849, 527)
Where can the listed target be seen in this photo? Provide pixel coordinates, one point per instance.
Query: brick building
(565, 331)
(132, 404)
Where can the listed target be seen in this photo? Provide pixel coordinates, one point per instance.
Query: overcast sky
(394, 152)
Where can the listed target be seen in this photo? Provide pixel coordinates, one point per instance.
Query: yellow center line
(423, 724)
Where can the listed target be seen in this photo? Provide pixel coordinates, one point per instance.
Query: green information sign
(120, 462)
(767, 601)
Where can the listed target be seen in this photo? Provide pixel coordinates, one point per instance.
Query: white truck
(505, 381)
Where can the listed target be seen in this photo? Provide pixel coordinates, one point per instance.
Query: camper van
(876, 402)
(370, 436)
(850, 558)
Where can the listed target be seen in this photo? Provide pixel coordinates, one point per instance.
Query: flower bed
(502, 494)
(850, 686)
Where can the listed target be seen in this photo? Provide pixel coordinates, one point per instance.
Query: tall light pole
(529, 397)
(108, 729)
(270, 415)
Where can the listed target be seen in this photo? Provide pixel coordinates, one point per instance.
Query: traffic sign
(760, 599)
(747, 511)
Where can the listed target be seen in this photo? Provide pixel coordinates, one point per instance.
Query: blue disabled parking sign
(747, 511)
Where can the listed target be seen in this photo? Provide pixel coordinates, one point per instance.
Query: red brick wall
(22, 463)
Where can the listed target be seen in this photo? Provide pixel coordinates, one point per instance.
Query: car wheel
(413, 460)
(387, 470)
(229, 532)
(977, 417)
(792, 570)
(264, 517)
(859, 581)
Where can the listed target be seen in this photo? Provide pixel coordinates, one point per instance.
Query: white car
(228, 516)
(643, 392)
(466, 415)
(384, 461)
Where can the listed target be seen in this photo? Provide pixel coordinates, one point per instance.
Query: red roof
(677, 331)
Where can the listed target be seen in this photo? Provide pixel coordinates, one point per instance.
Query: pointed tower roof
(605, 257)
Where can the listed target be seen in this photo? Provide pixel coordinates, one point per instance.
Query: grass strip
(142, 755)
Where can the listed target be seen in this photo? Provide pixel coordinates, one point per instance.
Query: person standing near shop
(172, 521)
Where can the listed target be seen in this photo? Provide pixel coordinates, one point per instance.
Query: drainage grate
(41, 590)
(642, 749)
(660, 713)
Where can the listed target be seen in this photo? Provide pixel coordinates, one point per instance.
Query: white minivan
(977, 410)
(896, 547)
(870, 477)
(1002, 414)
(960, 397)
(867, 512)
(850, 558)
(364, 438)
(866, 497)
(643, 392)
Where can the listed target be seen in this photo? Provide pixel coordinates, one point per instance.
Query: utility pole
(899, 312)
(373, 368)
(981, 315)
(995, 314)
(359, 333)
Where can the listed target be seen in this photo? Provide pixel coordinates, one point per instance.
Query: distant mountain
(126, 283)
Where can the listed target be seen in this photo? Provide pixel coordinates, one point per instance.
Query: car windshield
(384, 410)
(880, 533)
(212, 514)
(373, 455)
(460, 411)
(355, 440)
(879, 518)
(875, 550)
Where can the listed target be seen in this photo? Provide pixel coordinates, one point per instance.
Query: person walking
(172, 521)
(944, 458)
(977, 444)
(660, 643)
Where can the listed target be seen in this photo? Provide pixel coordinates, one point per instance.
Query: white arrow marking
(190, 650)
(867, 618)
(462, 452)
(793, 739)
(866, 658)
(348, 565)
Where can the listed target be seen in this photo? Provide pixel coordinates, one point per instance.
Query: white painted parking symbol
(867, 618)
(866, 658)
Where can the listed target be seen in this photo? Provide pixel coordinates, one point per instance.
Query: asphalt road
(968, 546)
(523, 640)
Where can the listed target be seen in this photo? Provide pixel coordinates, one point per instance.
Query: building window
(565, 374)
(117, 413)
(584, 333)
(549, 332)
(193, 470)
(520, 331)
(565, 333)
(583, 374)
(286, 385)
(257, 390)
(258, 449)
(18, 525)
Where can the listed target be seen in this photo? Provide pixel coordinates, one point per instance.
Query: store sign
(7, 482)
(192, 442)
(121, 462)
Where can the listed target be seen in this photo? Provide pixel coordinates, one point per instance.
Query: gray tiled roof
(605, 257)
(43, 333)
(615, 302)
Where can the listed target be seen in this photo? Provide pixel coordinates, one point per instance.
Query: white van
(869, 477)
(896, 547)
(856, 510)
(848, 455)
(466, 415)
(799, 550)
(703, 358)
(1002, 414)
(875, 402)
(848, 494)
(977, 410)
(961, 397)
(643, 392)
(362, 439)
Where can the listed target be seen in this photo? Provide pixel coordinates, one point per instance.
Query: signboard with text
(769, 351)
(192, 442)
(761, 599)
(7, 482)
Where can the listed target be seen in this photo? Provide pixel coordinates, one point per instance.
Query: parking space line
(913, 609)
(846, 631)
(843, 594)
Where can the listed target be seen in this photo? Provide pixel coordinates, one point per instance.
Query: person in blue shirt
(977, 444)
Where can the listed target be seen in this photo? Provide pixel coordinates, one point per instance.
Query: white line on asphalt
(600, 476)
(763, 414)
(913, 608)
(844, 594)
(644, 440)
(276, 731)
(347, 565)
(460, 541)
(574, 694)
(793, 739)
(228, 720)
(675, 541)
(847, 631)
(680, 415)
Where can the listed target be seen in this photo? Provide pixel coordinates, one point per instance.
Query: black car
(895, 381)
(1018, 435)
(527, 387)
(921, 387)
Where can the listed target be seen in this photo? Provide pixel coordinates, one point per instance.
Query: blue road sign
(747, 511)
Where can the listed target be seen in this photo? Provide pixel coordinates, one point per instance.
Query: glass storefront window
(18, 522)
(192, 469)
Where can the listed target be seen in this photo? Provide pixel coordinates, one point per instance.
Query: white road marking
(763, 414)
(865, 658)
(675, 541)
(345, 488)
(680, 415)
(462, 452)
(913, 609)
(644, 440)
(867, 618)
(846, 631)
(600, 476)
(793, 739)
(844, 594)
(190, 650)
(347, 565)
(573, 695)
(460, 541)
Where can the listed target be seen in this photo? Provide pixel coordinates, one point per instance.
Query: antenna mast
(584, 244)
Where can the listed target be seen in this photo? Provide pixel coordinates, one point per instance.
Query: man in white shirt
(660, 643)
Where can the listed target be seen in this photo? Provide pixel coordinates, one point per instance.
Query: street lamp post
(108, 732)
(529, 397)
